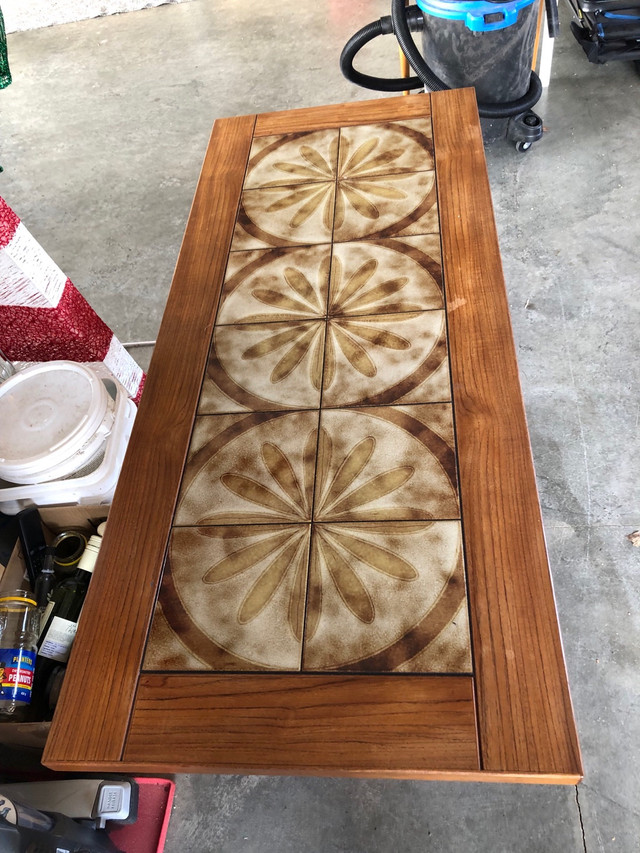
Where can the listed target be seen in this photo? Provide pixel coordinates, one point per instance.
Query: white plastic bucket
(54, 420)
(91, 485)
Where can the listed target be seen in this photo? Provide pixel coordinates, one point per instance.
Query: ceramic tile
(264, 366)
(291, 215)
(276, 284)
(292, 158)
(386, 276)
(386, 148)
(386, 358)
(381, 594)
(385, 206)
(232, 598)
(249, 469)
(386, 463)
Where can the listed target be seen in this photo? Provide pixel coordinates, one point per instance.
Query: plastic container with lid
(63, 436)
(54, 419)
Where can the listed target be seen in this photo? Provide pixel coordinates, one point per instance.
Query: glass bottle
(19, 621)
(61, 623)
(65, 604)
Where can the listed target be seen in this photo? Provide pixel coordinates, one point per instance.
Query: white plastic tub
(72, 440)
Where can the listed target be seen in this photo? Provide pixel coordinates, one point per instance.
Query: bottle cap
(101, 528)
(90, 554)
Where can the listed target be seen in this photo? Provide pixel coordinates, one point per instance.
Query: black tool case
(607, 29)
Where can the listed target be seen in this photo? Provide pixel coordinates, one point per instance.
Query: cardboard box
(33, 735)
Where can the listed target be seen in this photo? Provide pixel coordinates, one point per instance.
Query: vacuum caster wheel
(521, 147)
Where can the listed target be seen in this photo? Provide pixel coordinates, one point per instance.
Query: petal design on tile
(375, 294)
(379, 337)
(254, 492)
(356, 281)
(407, 359)
(373, 164)
(359, 156)
(243, 559)
(279, 300)
(354, 352)
(275, 341)
(377, 487)
(309, 207)
(358, 201)
(297, 598)
(380, 190)
(375, 556)
(282, 472)
(366, 276)
(313, 156)
(267, 583)
(298, 282)
(354, 462)
(292, 358)
(352, 591)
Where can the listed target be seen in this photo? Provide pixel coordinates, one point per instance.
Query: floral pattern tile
(380, 593)
(277, 284)
(287, 215)
(386, 206)
(249, 469)
(386, 463)
(386, 148)
(318, 522)
(243, 608)
(293, 158)
(264, 366)
(386, 358)
(386, 276)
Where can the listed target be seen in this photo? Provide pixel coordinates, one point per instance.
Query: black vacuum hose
(399, 24)
(367, 81)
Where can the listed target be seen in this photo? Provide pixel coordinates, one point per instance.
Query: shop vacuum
(487, 44)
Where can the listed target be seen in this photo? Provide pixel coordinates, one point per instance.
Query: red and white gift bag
(42, 315)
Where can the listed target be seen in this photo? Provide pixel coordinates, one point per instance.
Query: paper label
(59, 639)
(16, 674)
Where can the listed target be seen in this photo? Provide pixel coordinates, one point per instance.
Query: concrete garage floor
(102, 135)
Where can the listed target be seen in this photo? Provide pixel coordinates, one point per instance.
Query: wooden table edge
(525, 715)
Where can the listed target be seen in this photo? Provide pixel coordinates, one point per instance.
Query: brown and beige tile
(275, 284)
(386, 276)
(386, 358)
(232, 598)
(291, 215)
(292, 158)
(386, 463)
(249, 469)
(264, 367)
(381, 594)
(379, 206)
(386, 148)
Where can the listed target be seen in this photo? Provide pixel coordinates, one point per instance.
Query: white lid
(48, 412)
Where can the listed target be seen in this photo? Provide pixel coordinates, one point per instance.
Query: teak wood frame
(512, 721)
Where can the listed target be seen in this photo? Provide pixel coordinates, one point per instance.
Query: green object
(5, 73)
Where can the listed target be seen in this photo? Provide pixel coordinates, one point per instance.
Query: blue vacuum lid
(480, 16)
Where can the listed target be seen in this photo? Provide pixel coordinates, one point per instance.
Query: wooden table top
(325, 553)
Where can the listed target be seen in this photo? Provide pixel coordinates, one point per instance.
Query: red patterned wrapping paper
(43, 317)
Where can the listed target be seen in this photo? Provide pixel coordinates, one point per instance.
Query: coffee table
(325, 554)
